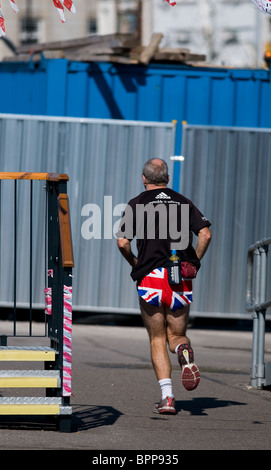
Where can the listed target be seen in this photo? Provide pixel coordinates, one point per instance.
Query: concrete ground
(115, 391)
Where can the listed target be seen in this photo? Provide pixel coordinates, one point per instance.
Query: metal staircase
(39, 377)
(17, 378)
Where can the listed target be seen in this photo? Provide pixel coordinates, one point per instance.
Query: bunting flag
(2, 24)
(2, 20)
(59, 4)
(263, 5)
(170, 2)
(14, 6)
(60, 9)
(69, 5)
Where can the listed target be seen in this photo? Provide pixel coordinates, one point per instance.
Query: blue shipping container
(197, 95)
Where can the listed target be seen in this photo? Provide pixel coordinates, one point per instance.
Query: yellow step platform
(29, 379)
(10, 353)
(33, 406)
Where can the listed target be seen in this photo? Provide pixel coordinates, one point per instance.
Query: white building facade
(233, 33)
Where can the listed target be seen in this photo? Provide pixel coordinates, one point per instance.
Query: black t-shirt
(156, 218)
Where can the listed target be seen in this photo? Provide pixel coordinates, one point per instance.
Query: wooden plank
(106, 58)
(175, 56)
(149, 51)
(176, 50)
(91, 50)
(65, 230)
(33, 176)
(169, 56)
(103, 56)
(57, 177)
(124, 40)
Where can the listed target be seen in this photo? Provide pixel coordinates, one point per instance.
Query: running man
(164, 307)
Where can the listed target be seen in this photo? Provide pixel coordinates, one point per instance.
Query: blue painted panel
(222, 104)
(76, 105)
(155, 93)
(23, 87)
(126, 88)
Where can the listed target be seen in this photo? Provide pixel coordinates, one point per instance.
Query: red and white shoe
(166, 406)
(190, 371)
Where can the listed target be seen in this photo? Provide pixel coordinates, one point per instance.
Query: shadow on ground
(199, 406)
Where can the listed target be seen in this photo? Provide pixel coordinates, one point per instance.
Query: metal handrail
(257, 303)
(5, 175)
(58, 246)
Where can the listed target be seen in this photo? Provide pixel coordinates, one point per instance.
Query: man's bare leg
(155, 323)
(176, 327)
(179, 342)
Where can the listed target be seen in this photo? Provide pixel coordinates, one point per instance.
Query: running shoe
(166, 406)
(190, 371)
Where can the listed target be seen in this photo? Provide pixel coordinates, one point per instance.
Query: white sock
(166, 388)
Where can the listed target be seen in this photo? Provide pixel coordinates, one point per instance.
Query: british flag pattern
(155, 290)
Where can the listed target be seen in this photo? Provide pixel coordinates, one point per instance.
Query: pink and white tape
(48, 300)
(67, 340)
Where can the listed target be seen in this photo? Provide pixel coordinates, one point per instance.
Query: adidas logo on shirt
(162, 196)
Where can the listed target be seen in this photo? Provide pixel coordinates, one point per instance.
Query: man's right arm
(204, 238)
(124, 246)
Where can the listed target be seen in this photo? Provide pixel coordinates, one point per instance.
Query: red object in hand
(188, 270)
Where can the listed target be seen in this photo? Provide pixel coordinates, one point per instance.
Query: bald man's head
(155, 172)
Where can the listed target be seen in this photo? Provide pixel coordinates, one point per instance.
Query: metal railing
(58, 264)
(57, 251)
(257, 303)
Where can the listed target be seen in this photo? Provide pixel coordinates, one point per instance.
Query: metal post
(255, 317)
(261, 316)
(15, 260)
(30, 257)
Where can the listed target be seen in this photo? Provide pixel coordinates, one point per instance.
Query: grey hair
(155, 173)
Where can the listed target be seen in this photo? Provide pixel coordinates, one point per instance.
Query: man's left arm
(204, 238)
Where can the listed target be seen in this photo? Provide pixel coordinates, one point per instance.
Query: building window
(92, 26)
(29, 33)
(127, 22)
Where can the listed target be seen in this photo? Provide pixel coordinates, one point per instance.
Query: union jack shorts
(156, 290)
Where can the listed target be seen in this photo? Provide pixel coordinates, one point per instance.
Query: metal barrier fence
(56, 260)
(102, 158)
(256, 302)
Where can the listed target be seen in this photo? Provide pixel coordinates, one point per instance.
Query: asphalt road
(115, 391)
